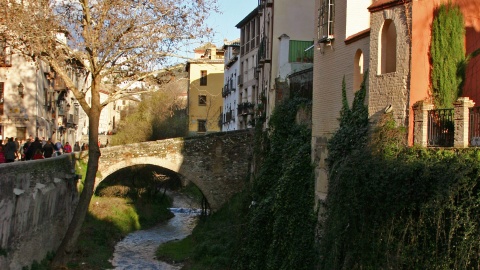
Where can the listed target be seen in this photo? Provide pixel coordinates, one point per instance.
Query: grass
(212, 244)
(108, 221)
(175, 251)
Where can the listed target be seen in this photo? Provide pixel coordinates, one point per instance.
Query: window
(357, 70)
(1, 97)
(5, 57)
(21, 133)
(202, 125)
(202, 100)
(325, 21)
(203, 77)
(387, 48)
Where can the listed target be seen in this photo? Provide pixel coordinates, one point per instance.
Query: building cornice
(360, 35)
(248, 18)
(384, 4)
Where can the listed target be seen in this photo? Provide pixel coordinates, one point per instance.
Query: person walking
(48, 149)
(76, 147)
(58, 148)
(25, 149)
(2, 154)
(10, 150)
(67, 148)
(38, 155)
(33, 148)
(17, 145)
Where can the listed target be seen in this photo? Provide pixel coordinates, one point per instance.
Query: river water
(137, 250)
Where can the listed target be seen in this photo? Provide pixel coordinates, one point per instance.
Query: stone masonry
(216, 163)
(37, 201)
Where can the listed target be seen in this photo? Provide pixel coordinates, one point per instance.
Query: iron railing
(440, 128)
(474, 127)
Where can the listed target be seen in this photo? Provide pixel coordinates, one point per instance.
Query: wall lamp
(20, 89)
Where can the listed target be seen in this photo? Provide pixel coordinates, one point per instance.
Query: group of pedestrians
(33, 149)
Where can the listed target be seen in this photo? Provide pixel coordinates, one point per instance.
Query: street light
(20, 89)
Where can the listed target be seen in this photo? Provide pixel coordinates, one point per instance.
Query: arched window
(357, 70)
(387, 48)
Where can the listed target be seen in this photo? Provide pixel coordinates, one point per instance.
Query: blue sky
(223, 24)
(232, 13)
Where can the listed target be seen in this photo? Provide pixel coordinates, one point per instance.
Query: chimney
(213, 53)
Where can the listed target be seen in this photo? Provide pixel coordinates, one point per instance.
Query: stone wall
(334, 62)
(37, 201)
(390, 89)
(216, 163)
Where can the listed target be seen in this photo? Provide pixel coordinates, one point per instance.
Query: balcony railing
(70, 119)
(263, 53)
(245, 108)
(440, 127)
(225, 91)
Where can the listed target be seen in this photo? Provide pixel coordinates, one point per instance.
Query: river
(137, 250)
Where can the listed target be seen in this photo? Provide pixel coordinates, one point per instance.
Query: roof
(232, 43)
(357, 36)
(249, 17)
(384, 4)
(203, 61)
(205, 46)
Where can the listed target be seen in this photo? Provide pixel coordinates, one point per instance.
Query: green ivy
(447, 54)
(279, 227)
(352, 133)
(390, 206)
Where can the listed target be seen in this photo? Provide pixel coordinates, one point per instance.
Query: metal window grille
(203, 77)
(474, 126)
(325, 21)
(202, 125)
(202, 100)
(440, 128)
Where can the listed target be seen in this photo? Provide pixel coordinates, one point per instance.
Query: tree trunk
(70, 239)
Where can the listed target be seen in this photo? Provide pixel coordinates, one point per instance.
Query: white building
(230, 91)
(248, 77)
(34, 102)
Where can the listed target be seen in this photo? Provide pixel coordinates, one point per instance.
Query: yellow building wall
(213, 91)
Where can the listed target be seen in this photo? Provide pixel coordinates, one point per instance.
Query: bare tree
(109, 41)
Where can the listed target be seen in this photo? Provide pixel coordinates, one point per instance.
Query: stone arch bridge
(217, 163)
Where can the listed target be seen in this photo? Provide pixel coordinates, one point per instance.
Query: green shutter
(297, 51)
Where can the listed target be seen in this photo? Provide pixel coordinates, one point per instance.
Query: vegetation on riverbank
(271, 224)
(126, 204)
(391, 206)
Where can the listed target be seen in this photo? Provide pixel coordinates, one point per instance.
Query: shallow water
(137, 250)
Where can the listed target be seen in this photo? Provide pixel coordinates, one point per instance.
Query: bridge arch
(155, 161)
(217, 163)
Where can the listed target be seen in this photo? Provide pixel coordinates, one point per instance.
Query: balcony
(263, 52)
(225, 91)
(264, 3)
(5, 59)
(245, 108)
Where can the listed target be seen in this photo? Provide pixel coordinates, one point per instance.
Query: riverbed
(137, 250)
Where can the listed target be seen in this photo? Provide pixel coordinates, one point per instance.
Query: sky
(223, 24)
(232, 13)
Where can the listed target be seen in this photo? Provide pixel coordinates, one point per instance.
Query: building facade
(230, 93)
(248, 78)
(342, 51)
(391, 39)
(205, 74)
(34, 101)
(286, 32)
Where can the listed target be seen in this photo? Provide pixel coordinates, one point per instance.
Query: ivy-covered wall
(391, 206)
